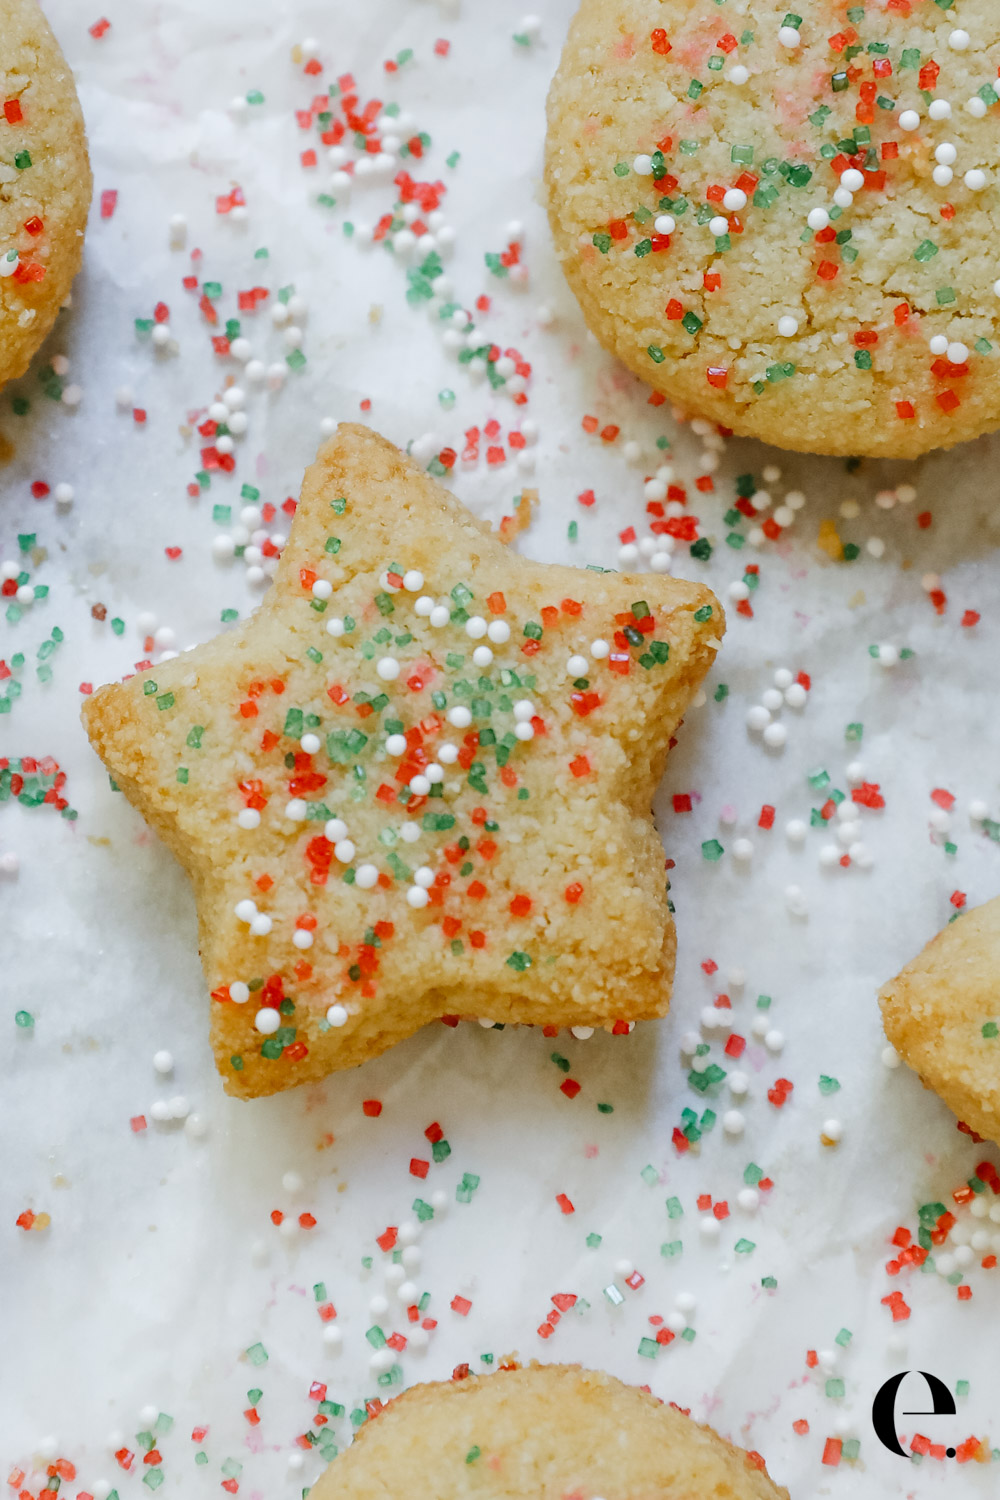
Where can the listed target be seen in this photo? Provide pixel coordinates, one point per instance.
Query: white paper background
(161, 1264)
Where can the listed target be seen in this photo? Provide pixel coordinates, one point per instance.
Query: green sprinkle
(22, 159)
(926, 250)
(648, 1348)
(991, 1030)
(24, 1019)
(257, 1354)
(835, 1388)
(656, 354)
(593, 1240)
(744, 1247)
(712, 850)
(828, 1085)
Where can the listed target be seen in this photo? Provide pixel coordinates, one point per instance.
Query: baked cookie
(45, 183)
(549, 1432)
(417, 781)
(788, 220)
(942, 1014)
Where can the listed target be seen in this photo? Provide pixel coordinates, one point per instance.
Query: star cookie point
(416, 782)
(942, 1015)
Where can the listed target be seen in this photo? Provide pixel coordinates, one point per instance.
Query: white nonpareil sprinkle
(267, 1020)
(336, 1016)
(795, 901)
(758, 718)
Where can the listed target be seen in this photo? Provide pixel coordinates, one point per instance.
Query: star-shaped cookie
(942, 1014)
(416, 782)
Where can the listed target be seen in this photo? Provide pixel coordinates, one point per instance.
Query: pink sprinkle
(109, 202)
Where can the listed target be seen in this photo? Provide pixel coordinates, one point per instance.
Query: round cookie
(788, 221)
(548, 1432)
(45, 183)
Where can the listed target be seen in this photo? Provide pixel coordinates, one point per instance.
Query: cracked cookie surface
(786, 221)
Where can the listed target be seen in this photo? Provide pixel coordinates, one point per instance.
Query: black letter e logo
(884, 1408)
